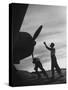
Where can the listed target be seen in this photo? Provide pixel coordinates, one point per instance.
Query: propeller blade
(37, 32)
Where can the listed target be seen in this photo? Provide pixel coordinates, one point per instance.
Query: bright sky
(53, 19)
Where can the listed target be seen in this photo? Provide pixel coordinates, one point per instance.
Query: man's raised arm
(46, 46)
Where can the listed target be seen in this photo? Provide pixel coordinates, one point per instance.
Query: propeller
(37, 32)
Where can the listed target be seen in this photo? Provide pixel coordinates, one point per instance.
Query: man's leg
(44, 72)
(58, 69)
(36, 70)
(52, 70)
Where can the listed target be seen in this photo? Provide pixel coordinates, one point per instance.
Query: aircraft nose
(34, 43)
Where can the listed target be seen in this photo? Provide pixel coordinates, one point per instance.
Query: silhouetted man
(38, 64)
(54, 63)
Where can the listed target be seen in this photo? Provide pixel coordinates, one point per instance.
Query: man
(38, 64)
(54, 63)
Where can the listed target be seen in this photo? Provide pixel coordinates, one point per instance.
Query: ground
(24, 78)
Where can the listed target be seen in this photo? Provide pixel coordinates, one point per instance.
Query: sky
(53, 19)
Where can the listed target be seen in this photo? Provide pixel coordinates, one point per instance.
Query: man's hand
(44, 43)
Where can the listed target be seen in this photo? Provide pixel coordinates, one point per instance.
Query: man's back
(36, 60)
(52, 51)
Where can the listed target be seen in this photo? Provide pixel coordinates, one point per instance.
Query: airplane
(23, 45)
